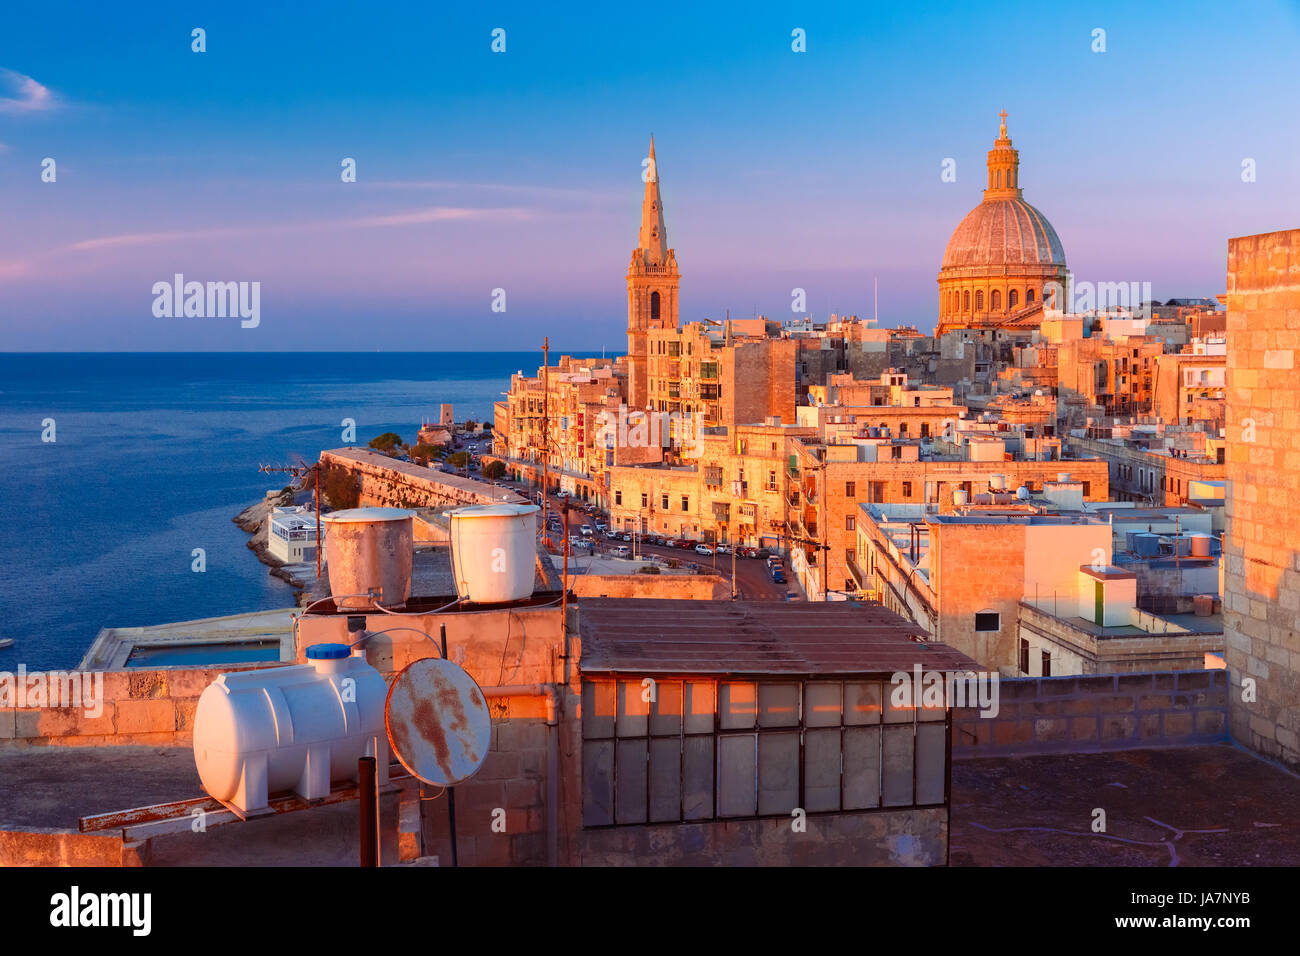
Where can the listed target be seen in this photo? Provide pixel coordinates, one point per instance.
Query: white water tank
(494, 552)
(1200, 545)
(299, 728)
(997, 483)
(1022, 493)
(369, 552)
(959, 498)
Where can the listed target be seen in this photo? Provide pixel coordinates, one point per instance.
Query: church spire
(653, 241)
(1004, 167)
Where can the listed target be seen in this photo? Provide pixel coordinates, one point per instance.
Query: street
(752, 579)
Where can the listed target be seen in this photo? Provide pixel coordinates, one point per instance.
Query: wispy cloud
(433, 214)
(20, 93)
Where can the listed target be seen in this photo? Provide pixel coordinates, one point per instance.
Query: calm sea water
(154, 454)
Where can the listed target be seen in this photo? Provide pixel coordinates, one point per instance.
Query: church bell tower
(651, 286)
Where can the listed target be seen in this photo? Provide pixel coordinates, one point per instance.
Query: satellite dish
(438, 722)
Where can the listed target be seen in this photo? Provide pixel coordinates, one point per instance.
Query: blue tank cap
(328, 652)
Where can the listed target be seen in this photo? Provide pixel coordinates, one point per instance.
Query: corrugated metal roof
(753, 637)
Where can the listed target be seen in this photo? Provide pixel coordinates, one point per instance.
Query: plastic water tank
(299, 728)
(1200, 545)
(493, 552)
(959, 498)
(369, 552)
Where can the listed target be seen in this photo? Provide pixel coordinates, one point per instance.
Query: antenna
(876, 298)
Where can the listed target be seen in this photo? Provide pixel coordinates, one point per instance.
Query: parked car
(611, 534)
(747, 552)
(723, 549)
(773, 561)
(762, 552)
(704, 549)
(686, 544)
(626, 536)
(622, 551)
(778, 577)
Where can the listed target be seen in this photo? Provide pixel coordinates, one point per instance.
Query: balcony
(713, 477)
(792, 496)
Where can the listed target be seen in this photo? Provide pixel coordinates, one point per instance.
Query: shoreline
(253, 521)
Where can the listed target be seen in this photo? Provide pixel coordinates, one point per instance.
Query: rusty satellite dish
(438, 722)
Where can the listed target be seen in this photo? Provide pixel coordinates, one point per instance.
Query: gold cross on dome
(1003, 114)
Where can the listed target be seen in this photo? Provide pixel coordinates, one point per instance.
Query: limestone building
(1000, 256)
(651, 286)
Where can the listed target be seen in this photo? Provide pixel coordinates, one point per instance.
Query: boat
(6, 642)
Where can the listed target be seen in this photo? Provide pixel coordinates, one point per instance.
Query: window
(618, 497)
(644, 500)
(979, 301)
(1029, 296)
(986, 621)
(1087, 488)
(711, 749)
(771, 481)
(925, 429)
(1047, 663)
(907, 489)
(850, 489)
(1024, 656)
(965, 297)
(654, 306)
(1013, 299)
(896, 451)
(995, 300)
(877, 491)
(848, 523)
(665, 497)
(686, 503)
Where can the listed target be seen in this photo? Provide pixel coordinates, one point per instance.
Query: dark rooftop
(754, 637)
(1186, 806)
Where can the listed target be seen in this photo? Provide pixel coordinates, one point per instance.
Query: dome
(1003, 232)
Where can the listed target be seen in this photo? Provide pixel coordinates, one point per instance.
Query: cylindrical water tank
(997, 483)
(368, 552)
(959, 498)
(493, 553)
(1022, 493)
(1200, 545)
(297, 728)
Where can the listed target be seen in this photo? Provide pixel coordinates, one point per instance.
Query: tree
(340, 488)
(386, 442)
(494, 470)
(458, 460)
(470, 425)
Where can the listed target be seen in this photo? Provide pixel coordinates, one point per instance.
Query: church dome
(1004, 257)
(1003, 232)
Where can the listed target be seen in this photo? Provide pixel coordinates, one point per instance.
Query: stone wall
(684, 587)
(387, 482)
(1262, 538)
(1054, 715)
(138, 707)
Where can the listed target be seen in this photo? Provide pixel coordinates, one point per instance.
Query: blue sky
(521, 171)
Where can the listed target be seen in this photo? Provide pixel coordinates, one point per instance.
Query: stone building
(1262, 543)
(652, 280)
(1001, 256)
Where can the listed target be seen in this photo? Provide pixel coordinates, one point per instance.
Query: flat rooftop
(754, 637)
(1187, 806)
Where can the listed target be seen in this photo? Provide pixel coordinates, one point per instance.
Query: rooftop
(1186, 806)
(761, 637)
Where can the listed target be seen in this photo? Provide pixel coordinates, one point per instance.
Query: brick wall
(1052, 715)
(1262, 539)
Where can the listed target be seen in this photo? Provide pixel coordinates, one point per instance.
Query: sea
(115, 467)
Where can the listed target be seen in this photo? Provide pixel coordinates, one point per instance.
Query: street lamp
(737, 490)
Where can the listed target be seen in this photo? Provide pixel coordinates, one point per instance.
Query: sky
(521, 170)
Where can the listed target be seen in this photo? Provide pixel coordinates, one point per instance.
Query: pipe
(552, 695)
(368, 797)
